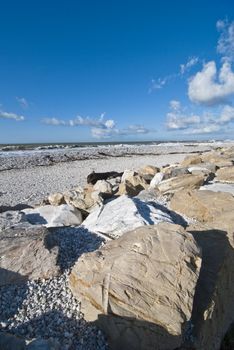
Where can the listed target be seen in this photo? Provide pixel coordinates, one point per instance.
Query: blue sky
(75, 71)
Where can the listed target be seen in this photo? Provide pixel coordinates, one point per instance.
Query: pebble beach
(44, 312)
(28, 177)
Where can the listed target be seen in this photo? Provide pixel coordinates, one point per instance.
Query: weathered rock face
(216, 158)
(54, 216)
(140, 287)
(213, 208)
(124, 214)
(25, 253)
(225, 174)
(180, 182)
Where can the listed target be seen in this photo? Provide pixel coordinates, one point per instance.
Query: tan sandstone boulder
(213, 208)
(225, 174)
(139, 288)
(216, 158)
(180, 182)
(191, 160)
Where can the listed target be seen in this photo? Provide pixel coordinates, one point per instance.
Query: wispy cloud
(100, 128)
(226, 40)
(22, 102)
(192, 61)
(205, 88)
(7, 115)
(159, 83)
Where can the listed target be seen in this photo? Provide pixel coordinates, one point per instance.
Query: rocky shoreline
(141, 259)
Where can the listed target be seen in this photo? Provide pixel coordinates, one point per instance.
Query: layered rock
(181, 182)
(123, 214)
(139, 289)
(54, 216)
(225, 174)
(220, 160)
(26, 252)
(213, 208)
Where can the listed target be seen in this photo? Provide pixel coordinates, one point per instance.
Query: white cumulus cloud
(208, 89)
(177, 119)
(7, 115)
(99, 127)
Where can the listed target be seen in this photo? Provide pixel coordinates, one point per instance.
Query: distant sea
(69, 145)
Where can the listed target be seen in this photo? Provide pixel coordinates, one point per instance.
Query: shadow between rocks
(145, 211)
(216, 253)
(17, 207)
(12, 294)
(127, 333)
(69, 332)
(72, 242)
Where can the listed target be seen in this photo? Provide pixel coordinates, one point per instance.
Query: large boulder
(140, 288)
(124, 213)
(216, 158)
(181, 182)
(54, 216)
(27, 252)
(213, 208)
(225, 174)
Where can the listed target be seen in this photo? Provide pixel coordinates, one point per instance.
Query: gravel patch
(46, 308)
